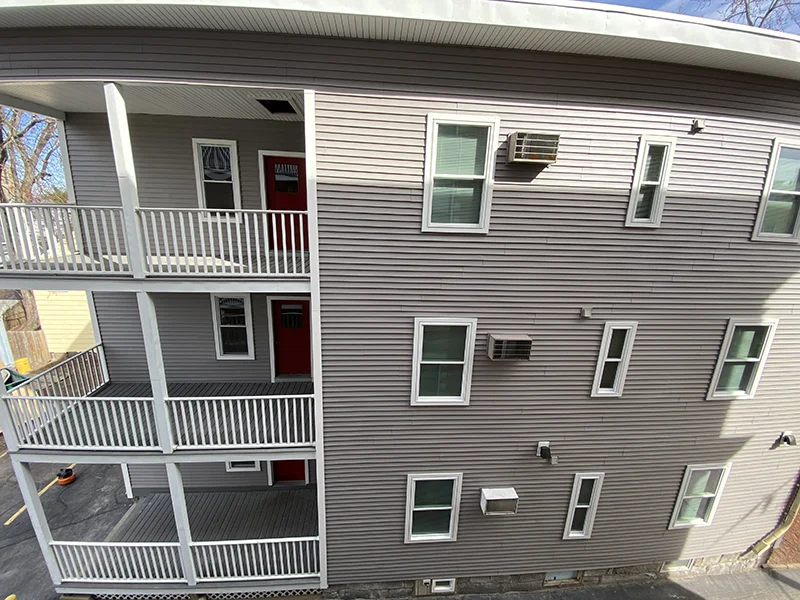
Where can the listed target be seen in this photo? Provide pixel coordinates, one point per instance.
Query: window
(233, 327)
(615, 354)
(459, 167)
(432, 503)
(699, 495)
(216, 168)
(742, 359)
(583, 505)
(682, 564)
(650, 181)
(241, 466)
(777, 215)
(443, 586)
(443, 351)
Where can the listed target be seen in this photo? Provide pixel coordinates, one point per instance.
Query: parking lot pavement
(84, 510)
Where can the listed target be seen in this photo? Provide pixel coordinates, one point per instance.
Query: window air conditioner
(509, 346)
(499, 501)
(530, 147)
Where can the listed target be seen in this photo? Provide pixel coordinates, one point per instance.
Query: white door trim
(262, 181)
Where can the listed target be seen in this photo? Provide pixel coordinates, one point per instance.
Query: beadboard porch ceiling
(225, 102)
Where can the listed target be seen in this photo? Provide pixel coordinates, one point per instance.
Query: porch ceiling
(157, 99)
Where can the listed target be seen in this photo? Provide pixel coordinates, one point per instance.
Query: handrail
(222, 210)
(278, 397)
(309, 538)
(47, 371)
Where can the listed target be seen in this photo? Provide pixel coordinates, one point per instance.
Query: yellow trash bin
(22, 365)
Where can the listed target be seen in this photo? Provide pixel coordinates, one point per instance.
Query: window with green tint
(432, 504)
(783, 198)
(742, 359)
(459, 173)
(699, 496)
(650, 181)
(441, 370)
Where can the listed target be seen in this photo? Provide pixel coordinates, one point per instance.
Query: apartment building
(410, 296)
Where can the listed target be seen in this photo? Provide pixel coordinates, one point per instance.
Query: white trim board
(554, 25)
(261, 173)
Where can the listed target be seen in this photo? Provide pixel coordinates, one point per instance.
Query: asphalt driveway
(84, 510)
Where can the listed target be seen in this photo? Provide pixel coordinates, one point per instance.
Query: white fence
(62, 238)
(253, 421)
(118, 562)
(200, 242)
(256, 559)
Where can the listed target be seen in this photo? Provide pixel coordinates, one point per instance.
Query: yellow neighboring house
(66, 320)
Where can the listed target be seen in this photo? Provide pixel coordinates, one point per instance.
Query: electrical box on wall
(532, 147)
(509, 346)
(499, 501)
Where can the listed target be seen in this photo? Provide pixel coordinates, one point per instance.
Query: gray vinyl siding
(556, 243)
(146, 479)
(187, 339)
(163, 156)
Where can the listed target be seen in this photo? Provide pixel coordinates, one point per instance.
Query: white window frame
(659, 197)
(673, 524)
(198, 171)
(772, 169)
(231, 468)
(602, 358)
(248, 319)
(455, 505)
(592, 506)
(431, 138)
(469, 354)
(723, 354)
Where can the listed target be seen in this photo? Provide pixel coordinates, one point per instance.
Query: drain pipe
(765, 543)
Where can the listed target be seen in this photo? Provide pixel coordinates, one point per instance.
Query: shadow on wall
(551, 250)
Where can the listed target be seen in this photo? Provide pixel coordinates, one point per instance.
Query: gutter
(767, 542)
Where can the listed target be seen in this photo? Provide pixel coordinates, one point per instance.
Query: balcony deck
(74, 406)
(257, 537)
(219, 516)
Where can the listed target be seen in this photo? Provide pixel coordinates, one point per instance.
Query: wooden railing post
(126, 174)
(178, 497)
(155, 367)
(30, 495)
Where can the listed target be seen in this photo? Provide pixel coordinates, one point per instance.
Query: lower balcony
(259, 539)
(74, 406)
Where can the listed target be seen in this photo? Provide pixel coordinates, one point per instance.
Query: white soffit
(159, 99)
(555, 26)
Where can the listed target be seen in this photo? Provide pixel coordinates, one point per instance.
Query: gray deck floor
(217, 516)
(192, 389)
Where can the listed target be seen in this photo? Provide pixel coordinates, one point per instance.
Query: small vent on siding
(530, 147)
(510, 346)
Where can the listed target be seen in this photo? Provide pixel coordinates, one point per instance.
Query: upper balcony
(64, 239)
(167, 181)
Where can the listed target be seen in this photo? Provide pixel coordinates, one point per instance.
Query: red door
(292, 332)
(286, 190)
(288, 470)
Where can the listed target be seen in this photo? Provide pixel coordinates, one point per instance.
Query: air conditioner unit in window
(531, 147)
(509, 346)
(499, 501)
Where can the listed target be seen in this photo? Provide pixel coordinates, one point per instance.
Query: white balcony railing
(118, 562)
(238, 422)
(79, 375)
(60, 238)
(199, 242)
(256, 559)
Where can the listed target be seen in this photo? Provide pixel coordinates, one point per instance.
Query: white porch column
(181, 520)
(155, 366)
(30, 496)
(126, 174)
